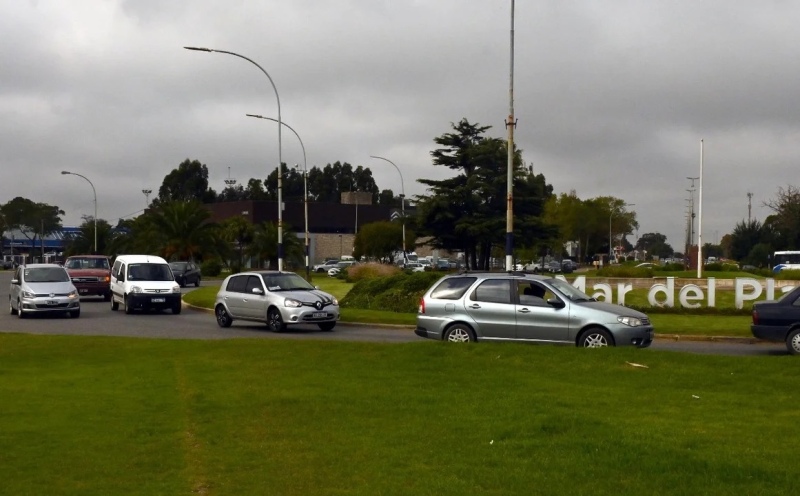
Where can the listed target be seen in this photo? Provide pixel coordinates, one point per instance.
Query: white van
(144, 282)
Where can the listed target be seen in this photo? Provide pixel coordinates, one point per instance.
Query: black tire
(275, 321)
(11, 308)
(793, 342)
(595, 338)
(197, 282)
(223, 317)
(128, 309)
(20, 311)
(75, 313)
(114, 304)
(327, 326)
(459, 333)
(106, 296)
(176, 309)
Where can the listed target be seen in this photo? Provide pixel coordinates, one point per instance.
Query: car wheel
(793, 342)
(595, 338)
(197, 282)
(223, 317)
(182, 284)
(176, 309)
(274, 320)
(20, 311)
(75, 313)
(459, 333)
(114, 304)
(327, 326)
(128, 308)
(11, 308)
(107, 297)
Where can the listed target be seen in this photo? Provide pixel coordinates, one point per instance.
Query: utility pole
(749, 205)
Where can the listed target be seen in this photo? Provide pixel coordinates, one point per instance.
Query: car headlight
(136, 289)
(629, 321)
(335, 302)
(72, 294)
(176, 289)
(28, 294)
(107, 279)
(289, 302)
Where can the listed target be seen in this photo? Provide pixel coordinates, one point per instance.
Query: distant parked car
(340, 266)
(6, 264)
(415, 267)
(525, 307)
(779, 320)
(43, 288)
(186, 273)
(278, 299)
(325, 266)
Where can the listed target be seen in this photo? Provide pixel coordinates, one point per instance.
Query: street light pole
(305, 182)
(610, 243)
(402, 202)
(94, 192)
(280, 157)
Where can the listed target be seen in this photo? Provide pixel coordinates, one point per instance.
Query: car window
(493, 291)
(46, 274)
(452, 288)
(236, 284)
(253, 282)
(149, 272)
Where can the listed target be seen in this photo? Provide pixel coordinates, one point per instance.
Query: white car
(325, 266)
(415, 267)
(340, 266)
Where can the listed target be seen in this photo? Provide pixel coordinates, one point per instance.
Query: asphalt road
(97, 319)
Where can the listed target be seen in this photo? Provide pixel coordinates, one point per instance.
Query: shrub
(625, 271)
(713, 267)
(788, 275)
(370, 270)
(397, 293)
(211, 268)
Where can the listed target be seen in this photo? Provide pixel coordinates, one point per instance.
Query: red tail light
(422, 305)
(755, 317)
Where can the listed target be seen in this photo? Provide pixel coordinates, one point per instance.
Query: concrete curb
(663, 337)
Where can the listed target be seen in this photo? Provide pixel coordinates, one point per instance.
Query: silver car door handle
(474, 305)
(524, 310)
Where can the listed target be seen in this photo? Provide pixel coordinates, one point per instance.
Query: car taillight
(755, 317)
(422, 305)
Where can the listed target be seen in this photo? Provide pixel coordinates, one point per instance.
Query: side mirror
(556, 303)
(258, 291)
(15, 282)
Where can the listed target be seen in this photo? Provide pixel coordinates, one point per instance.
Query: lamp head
(66, 172)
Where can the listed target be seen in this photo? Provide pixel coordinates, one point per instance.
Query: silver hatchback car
(524, 307)
(276, 298)
(43, 288)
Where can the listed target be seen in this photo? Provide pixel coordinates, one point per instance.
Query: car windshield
(178, 266)
(46, 274)
(149, 272)
(286, 282)
(569, 291)
(86, 263)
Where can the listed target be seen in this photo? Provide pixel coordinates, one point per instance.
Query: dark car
(186, 273)
(779, 320)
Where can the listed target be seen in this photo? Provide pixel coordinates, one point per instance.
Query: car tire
(11, 309)
(128, 309)
(327, 326)
(595, 338)
(459, 333)
(114, 304)
(197, 282)
(176, 309)
(75, 313)
(106, 296)
(275, 321)
(223, 317)
(20, 311)
(793, 342)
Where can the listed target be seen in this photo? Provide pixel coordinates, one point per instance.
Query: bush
(625, 271)
(713, 267)
(211, 268)
(788, 275)
(397, 293)
(370, 271)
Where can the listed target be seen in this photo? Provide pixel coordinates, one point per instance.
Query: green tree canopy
(32, 219)
(186, 183)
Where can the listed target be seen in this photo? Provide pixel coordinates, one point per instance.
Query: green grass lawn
(96, 415)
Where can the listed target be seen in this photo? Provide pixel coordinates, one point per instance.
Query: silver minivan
(278, 299)
(43, 288)
(525, 307)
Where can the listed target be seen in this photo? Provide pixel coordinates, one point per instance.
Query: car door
(254, 303)
(492, 309)
(538, 320)
(234, 295)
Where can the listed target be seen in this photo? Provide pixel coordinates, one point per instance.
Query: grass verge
(94, 415)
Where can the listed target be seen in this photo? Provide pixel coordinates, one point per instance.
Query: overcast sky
(611, 97)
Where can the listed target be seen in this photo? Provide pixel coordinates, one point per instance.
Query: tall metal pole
(305, 182)
(510, 176)
(280, 156)
(700, 218)
(402, 202)
(94, 192)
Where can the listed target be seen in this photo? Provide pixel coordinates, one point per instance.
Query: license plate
(158, 300)
(83, 291)
(52, 302)
(319, 315)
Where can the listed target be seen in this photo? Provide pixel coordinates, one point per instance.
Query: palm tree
(184, 231)
(265, 244)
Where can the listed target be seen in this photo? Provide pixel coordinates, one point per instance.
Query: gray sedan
(42, 288)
